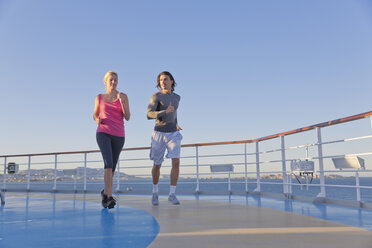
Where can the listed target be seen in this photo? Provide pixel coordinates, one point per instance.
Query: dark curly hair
(166, 73)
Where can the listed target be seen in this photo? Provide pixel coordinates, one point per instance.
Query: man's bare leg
(175, 171)
(155, 180)
(174, 179)
(155, 173)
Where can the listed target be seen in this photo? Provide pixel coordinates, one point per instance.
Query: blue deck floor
(41, 222)
(32, 222)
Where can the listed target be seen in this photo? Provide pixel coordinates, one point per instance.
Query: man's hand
(179, 128)
(170, 108)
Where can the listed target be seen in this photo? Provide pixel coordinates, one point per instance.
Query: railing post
(85, 172)
(2, 198)
(245, 167)
(197, 169)
(229, 183)
(357, 183)
(258, 189)
(321, 166)
(4, 175)
(28, 173)
(284, 167)
(55, 173)
(118, 176)
(289, 180)
(75, 188)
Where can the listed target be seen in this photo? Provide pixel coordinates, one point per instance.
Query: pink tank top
(111, 115)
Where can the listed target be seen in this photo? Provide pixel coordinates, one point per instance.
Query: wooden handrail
(294, 131)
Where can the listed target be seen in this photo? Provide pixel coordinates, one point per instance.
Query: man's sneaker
(104, 199)
(111, 202)
(155, 199)
(173, 199)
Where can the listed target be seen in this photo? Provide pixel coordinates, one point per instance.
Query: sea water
(216, 186)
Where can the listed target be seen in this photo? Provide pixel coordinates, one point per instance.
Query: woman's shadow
(107, 226)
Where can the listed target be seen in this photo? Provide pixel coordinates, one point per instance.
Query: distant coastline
(97, 175)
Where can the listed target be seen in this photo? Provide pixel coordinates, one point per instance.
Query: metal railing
(252, 168)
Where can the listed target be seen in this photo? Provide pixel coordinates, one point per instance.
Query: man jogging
(163, 107)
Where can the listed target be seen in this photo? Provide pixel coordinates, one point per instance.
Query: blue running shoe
(155, 199)
(173, 199)
(111, 202)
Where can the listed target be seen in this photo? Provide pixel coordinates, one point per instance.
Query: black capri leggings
(110, 147)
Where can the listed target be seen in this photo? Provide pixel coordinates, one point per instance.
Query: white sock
(172, 190)
(155, 188)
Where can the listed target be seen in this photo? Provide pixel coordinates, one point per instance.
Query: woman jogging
(109, 110)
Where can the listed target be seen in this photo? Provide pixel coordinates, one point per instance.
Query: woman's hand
(98, 120)
(96, 111)
(122, 98)
(119, 96)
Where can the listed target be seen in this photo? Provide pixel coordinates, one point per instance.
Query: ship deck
(76, 220)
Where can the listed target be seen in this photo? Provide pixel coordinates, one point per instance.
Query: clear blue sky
(245, 69)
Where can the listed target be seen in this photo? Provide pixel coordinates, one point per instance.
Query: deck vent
(222, 168)
(229, 168)
(348, 162)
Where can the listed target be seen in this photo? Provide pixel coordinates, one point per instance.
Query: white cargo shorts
(161, 141)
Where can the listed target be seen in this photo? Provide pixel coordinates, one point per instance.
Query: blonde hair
(109, 73)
